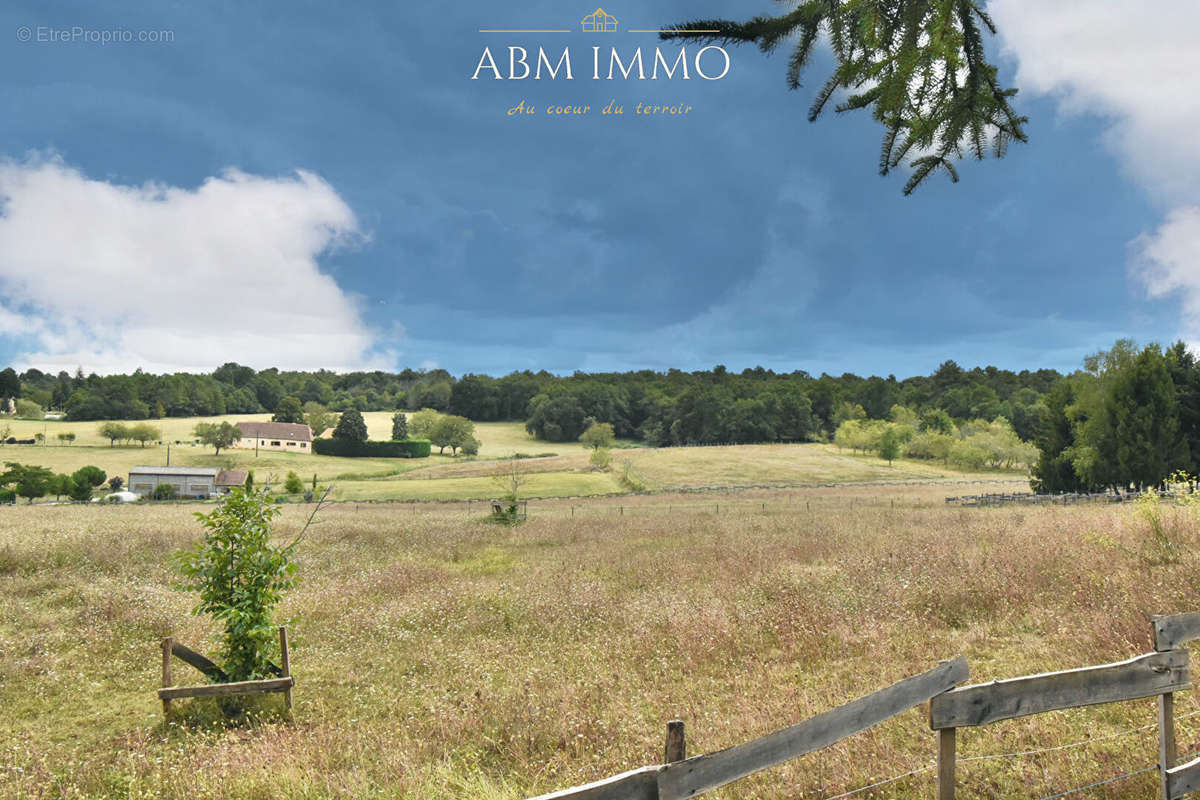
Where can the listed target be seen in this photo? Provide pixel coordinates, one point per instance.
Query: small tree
(454, 432)
(509, 475)
(319, 418)
(30, 482)
(288, 410)
(79, 491)
(399, 426)
(92, 476)
(116, 482)
(58, 485)
(113, 431)
(422, 423)
(217, 435)
(598, 434)
(145, 432)
(66, 436)
(889, 445)
(240, 577)
(292, 484)
(351, 427)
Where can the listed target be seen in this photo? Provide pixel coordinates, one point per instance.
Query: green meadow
(554, 469)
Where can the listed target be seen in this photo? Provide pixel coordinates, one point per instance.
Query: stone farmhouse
(289, 436)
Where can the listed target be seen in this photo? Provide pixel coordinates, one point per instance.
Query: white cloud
(115, 277)
(1134, 63)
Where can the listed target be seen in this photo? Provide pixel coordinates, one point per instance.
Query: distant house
(289, 436)
(599, 22)
(202, 482)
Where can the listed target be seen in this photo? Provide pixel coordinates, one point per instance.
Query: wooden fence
(1158, 674)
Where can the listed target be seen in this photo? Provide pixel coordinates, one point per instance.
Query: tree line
(1128, 420)
(659, 408)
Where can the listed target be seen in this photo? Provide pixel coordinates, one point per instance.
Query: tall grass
(440, 657)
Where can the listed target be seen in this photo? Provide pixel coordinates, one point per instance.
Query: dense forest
(1129, 417)
(675, 407)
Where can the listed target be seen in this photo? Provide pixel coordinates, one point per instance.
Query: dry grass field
(438, 656)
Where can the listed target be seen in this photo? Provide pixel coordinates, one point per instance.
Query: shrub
(164, 491)
(27, 409)
(292, 484)
(600, 458)
(409, 448)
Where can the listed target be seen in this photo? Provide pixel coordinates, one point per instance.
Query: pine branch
(919, 65)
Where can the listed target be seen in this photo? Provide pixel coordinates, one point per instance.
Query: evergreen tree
(351, 427)
(399, 426)
(1054, 471)
(1185, 374)
(919, 65)
(1145, 423)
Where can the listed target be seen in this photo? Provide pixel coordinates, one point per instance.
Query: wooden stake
(946, 755)
(285, 664)
(676, 749)
(166, 671)
(1167, 752)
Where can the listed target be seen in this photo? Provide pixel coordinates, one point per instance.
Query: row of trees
(976, 444)
(141, 432)
(672, 407)
(32, 482)
(1128, 420)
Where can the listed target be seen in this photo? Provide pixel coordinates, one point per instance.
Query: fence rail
(1158, 674)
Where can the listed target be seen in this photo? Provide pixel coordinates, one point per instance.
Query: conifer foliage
(919, 65)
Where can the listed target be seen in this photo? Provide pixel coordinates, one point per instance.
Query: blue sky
(425, 227)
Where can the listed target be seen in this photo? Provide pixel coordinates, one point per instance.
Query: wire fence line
(1039, 751)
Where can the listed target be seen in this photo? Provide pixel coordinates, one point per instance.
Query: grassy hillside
(560, 470)
(438, 657)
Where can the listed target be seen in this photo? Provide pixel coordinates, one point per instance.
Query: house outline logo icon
(599, 21)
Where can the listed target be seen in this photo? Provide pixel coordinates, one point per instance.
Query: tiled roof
(290, 431)
(231, 477)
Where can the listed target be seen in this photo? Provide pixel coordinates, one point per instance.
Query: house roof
(291, 431)
(195, 472)
(230, 477)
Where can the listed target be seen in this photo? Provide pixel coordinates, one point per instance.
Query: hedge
(405, 448)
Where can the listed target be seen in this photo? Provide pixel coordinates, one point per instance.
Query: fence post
(946, 756)
(285, 664)
(1167, 752)
(167, 644)
(676, 749)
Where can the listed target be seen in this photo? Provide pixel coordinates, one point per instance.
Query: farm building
(188, 481)
(290, 436)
